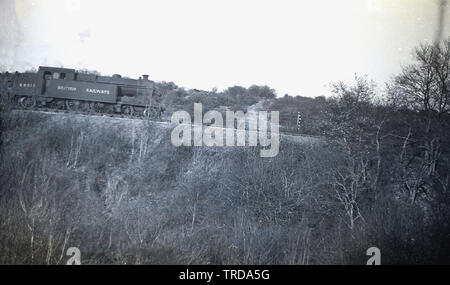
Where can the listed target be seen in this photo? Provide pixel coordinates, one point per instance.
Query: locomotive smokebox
(145, 77)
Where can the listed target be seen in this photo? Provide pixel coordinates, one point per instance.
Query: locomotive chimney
(145, 77)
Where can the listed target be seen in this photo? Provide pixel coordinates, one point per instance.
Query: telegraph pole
(299, 120)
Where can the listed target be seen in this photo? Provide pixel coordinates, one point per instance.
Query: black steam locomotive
(61, 88)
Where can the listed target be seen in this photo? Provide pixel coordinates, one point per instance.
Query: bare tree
(424, 86)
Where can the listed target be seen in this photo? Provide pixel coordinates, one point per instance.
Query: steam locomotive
(62, 88)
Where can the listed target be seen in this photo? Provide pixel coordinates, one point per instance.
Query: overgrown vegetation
(122, 193)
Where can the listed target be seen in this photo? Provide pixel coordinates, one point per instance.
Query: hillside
(118, 189)
(374, 171)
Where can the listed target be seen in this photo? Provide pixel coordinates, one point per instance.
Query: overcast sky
(296, 47)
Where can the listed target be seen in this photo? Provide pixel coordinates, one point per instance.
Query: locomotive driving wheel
(147, 112)
(73, 105)
(77, 106)
(151, 112)
(127, 110)
(27, 102)
(97, 107)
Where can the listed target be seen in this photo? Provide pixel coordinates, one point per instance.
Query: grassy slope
(119, 191)
(122, 193)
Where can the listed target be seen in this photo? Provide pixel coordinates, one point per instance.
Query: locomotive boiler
(63, 88)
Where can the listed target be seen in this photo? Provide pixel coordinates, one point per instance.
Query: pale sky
(294, 46)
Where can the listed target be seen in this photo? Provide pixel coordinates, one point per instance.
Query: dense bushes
(123, 194)
(119, 191)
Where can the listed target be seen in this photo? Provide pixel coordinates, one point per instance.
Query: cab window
(47, 75)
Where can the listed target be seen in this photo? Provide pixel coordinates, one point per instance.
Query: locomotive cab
(46, 74)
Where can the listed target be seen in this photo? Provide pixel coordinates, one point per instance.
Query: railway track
(165, 122)
(85, 113)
